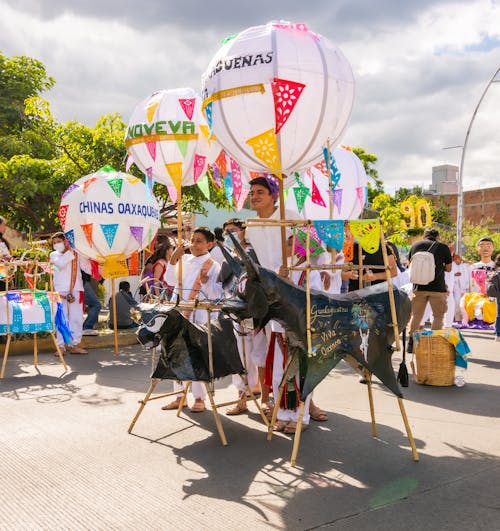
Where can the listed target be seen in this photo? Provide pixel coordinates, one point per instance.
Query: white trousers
(74, 315)
(197, 388)
(250, 348)
(286, 414)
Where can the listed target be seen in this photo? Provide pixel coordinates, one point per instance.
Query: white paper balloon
(167, 137)
(349, 188)
(109, 213)
(275, 95)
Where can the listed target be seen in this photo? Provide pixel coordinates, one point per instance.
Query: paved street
(67, 461)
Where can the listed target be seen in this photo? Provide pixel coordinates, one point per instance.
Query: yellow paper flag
(115, 266)
(367, 232)
(265, 148)
(151, 107)
(175, 171)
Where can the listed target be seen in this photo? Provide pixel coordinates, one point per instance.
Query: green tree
(375, 183)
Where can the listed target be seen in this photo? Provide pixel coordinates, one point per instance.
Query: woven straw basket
(435, 361)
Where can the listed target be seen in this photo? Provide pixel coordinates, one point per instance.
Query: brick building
(478, 205)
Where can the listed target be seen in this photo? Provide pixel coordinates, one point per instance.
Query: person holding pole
(199, 281)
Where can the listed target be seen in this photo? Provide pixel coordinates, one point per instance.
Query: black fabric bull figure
(355, 326)
(184, 345)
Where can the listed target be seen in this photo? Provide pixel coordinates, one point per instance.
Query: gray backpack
(422, 268)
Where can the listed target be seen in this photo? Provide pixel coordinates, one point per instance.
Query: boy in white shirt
(199, 280)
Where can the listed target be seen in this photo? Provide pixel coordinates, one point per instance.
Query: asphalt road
(67, 461)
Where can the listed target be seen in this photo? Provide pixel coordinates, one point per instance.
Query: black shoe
(409, 347)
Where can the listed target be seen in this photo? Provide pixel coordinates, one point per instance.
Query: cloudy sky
(420, 66)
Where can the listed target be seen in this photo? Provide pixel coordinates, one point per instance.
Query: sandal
(173, 405)
(198, 406)
(280, 425)
(237, 409)
(291, 427)
(77, 350)
(317, 413)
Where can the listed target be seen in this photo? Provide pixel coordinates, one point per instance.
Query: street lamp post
(460, 198)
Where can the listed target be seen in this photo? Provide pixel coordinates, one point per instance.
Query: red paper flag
(63, 210)
(221, 164)
(187, 106)
(87, 230)
(316, 196)
(286, 95)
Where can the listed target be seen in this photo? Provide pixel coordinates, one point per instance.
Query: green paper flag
(116, 186)
(107, 168)
(204, 186)
(182, 145)
(301, 194)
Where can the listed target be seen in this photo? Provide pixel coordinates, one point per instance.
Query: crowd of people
(456, 292)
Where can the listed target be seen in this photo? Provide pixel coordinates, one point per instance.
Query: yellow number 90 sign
(417, 215)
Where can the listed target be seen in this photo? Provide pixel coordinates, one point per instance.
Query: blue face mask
(229, 243)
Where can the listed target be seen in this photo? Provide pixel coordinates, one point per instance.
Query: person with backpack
(429, 259)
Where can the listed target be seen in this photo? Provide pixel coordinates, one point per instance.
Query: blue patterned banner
(331, 233)
(109, 232)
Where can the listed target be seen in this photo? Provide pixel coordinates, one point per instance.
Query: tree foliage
(40, 156)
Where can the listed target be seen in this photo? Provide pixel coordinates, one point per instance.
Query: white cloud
(420, 67)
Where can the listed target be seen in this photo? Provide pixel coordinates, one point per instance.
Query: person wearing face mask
(68, 283)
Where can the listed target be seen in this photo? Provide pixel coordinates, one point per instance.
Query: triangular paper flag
(236, 175)
(265, 148)
(205, 131)
(137, 233)
(87, 183)
(172, 192)
(315, 247)
(175, 171)
(182, 145)
(115, 266)
(129, 162)
(187, 106)
(204, 186)
(87, 230)
(228, 187)
(133, 263)
(133, 180)
(208, 114)
(198, 166)
(151, 107)
(63, 210)
(151, 149)
(241, 199)
(221, 163)
(301, 194)
(321, 166)
(285, 94)
(116, 186)
(334, 172)
(337, 198)
(109, 232)
(70, 236)
(367, 232)
(331, 233)
(217, 179)
(69, 190)
(316, 196)
(348, 247)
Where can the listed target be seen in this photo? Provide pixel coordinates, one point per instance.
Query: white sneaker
(89, 332)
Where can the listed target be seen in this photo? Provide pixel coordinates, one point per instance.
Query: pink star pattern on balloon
(286, 95)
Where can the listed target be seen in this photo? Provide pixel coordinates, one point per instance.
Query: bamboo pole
(368, 377)
(391, 290)
(113, 302)
(218, 423)
(143, 403)
(7, 345)
(298, 432)
(179, 243)
(408, 430)
(284, 260)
